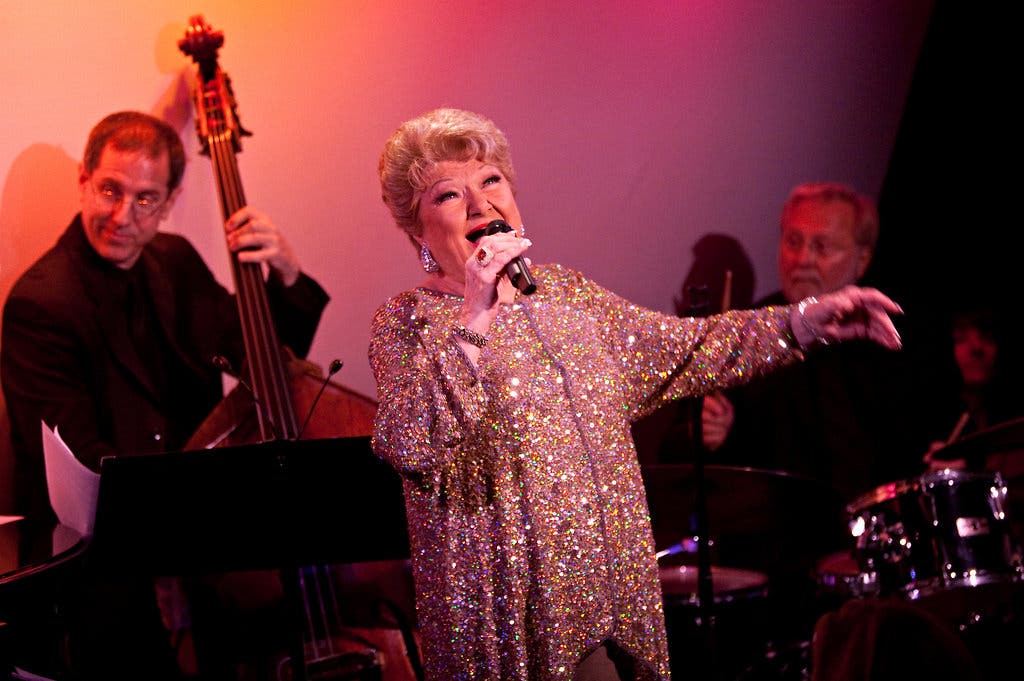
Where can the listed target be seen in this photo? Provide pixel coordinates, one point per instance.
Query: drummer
(989, 388)
(849, 419)
(852, 416)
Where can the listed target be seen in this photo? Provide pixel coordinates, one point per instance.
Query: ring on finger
(484, 256)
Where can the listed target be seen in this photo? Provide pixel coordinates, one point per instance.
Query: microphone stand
(705, 585)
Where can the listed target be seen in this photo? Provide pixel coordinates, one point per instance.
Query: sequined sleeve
(430, 396)
(665, 357)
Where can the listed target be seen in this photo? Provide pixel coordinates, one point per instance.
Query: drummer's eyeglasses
(817, 246)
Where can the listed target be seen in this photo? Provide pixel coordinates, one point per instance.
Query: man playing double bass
(111, 337)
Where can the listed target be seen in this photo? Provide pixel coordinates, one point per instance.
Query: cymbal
(1002, 437)
(753, 515)
(679, 582)
(737, 497)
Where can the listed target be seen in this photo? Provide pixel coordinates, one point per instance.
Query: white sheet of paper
(73, 487)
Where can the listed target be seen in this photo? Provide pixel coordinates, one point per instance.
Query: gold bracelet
(470, 336)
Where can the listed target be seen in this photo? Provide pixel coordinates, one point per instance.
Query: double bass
(277, 387)
(280, 386)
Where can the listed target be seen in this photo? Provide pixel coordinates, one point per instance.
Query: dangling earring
(522, 230)
(430, 265)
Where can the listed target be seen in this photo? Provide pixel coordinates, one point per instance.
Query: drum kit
(763, 526)
(947, 541)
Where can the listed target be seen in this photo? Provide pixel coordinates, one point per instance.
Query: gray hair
(865, 224)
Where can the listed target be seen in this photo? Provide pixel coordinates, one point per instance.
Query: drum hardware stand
(705, 587)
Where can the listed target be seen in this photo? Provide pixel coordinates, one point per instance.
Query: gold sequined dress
(530, 536)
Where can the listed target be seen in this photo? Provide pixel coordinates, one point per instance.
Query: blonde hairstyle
(865, 223)
(421, 143)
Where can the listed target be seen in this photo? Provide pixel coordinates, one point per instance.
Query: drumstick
(959, 428)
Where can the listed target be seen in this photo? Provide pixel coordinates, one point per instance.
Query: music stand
(277, 504)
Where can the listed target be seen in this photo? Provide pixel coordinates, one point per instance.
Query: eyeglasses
(816, 246)
(110, 196)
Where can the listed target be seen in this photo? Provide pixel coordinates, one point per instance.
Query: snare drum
(943, 530)
(741, 618)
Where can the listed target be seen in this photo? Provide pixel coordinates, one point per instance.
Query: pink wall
(636, 128)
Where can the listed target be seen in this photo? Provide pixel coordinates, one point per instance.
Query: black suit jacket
(67, 357)
(855, 415)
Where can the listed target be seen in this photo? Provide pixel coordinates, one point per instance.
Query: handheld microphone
(517, 271)
(334, 368)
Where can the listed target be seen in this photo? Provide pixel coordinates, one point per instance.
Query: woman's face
(459, 197)
(975, 351)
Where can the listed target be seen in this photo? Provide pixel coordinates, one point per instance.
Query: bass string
(268, 375)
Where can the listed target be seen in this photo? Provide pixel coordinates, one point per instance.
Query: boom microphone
(334, 368)
(517, 271)
(224, 364)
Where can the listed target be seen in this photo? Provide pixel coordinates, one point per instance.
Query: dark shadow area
(950, 233)
(39, 198)
(723, 269)
(950, 240)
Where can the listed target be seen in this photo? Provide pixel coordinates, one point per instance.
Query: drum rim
(749, 593)
(926, 588)
(858, 584)
(958, 475)
(891, 490)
